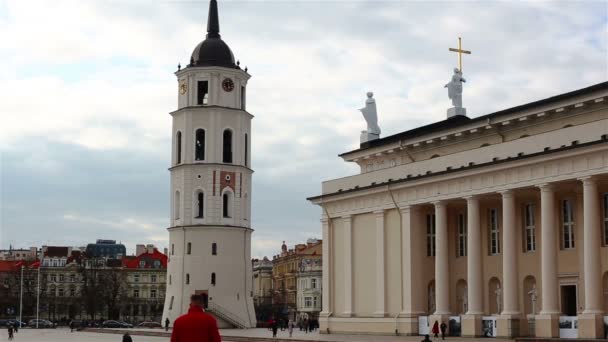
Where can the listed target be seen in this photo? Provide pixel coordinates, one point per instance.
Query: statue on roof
(455, 93)
(371, 116)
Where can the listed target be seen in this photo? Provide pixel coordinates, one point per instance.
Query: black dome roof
(213, 51)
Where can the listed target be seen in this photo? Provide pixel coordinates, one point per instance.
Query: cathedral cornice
(210, 164)
(220, 226)
(210, 107)
(318, 199)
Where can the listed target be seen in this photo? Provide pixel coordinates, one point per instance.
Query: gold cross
(460, 51)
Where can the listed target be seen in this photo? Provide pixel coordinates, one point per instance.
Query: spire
(213, 22)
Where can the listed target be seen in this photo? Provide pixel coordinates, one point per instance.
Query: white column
(442, 269)
(591, 247)
(548, 256)
(509, 254)
(348, 266)
(474, 268)
(326, 300)
(380, 264)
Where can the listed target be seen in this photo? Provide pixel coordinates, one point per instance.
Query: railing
(226, 315)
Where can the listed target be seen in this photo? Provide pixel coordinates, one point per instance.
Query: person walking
(71, 326)
(443, 328)
(290, 327)
(196, 325)
(435, 329)
(275, 328)
(10, 332)
(127, 338)
(167, 324)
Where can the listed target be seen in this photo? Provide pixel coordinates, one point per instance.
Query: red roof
(7, 265)
(148, 258)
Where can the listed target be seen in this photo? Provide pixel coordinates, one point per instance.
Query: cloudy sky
(86, 88)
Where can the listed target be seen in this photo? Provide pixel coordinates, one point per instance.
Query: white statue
(498, 293)
(371, 116)
(455, 93)
(533, 297)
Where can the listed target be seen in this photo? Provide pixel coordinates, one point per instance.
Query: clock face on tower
(183, 87)
(227, 84)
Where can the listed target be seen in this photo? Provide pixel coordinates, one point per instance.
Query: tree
(92, 285)
(114, 291)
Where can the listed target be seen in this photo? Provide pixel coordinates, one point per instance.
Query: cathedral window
(187, 278)
(246, 148)
(462, 236)
(200, 202)
(203, 92)
(176, 206)
(567, 225)
(189, 248)
(227, 205)
(227, 146)
(243, 97)
(213, 278)
(178, 147)
(605, 197)
(430, 235)
(530, 228)
(494, 232)
(214, 248)
(199, 148)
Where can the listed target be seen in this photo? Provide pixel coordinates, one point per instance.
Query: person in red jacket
(196, 325)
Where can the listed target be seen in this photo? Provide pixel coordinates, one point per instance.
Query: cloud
(87, 87)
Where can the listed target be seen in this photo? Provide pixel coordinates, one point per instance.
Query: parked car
(17, 323)
(115, 324)
(3, 322)
(42, 323)
(150, 325)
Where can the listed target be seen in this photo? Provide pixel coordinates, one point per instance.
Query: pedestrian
(72, 326)
(426, 338)
(196, 325)
(443, 328)
(290, 327)
(435, 329)
(167, 324)
(10, 332)
(275, 327)
(127, 338)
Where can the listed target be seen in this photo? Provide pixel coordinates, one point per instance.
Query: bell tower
(210, 222)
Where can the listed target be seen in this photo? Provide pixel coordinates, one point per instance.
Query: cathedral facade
(496, 225)
(210, 225)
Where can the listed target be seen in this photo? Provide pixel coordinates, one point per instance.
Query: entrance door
(568, 294)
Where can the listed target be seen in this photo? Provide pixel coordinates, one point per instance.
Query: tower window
(203, 93)
(227, 144)
(246, 148)
(187, 278)
(530, 228)
(243, 97)
(227, 212)
(462, 236)
(177, 205)
(213, 278)
(172, 249)
(199, 148)
(214, 248)
(567, 225)
(430, 235)
(200, 200)
(178, 147)
(494, 232)
(189, 248)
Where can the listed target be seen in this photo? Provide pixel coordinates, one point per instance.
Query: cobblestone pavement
(64, 335)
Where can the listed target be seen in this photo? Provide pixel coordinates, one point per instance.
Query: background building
(294, 272)
(262, 289)
(19, 254)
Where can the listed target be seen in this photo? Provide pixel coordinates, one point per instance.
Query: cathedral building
(210, 223)
(496, 225)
